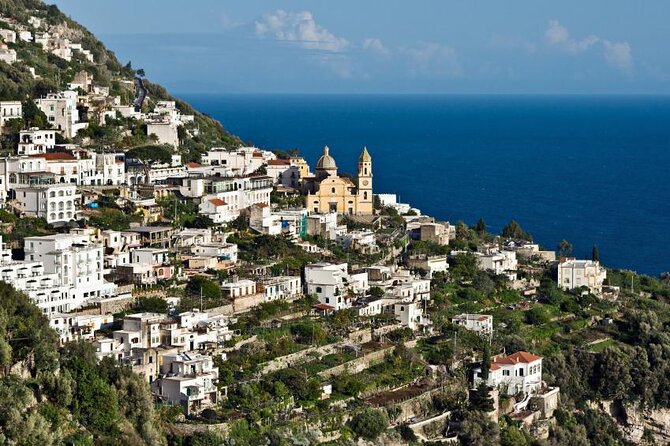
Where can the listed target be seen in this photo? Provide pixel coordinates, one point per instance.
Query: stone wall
(356, 365)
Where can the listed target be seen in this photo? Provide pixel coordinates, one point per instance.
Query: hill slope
(38, 71)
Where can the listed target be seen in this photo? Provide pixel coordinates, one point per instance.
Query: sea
(587, 169)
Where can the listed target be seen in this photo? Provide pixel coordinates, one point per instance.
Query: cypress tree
(595, 254)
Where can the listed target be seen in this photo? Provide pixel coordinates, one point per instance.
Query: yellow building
(329, 192)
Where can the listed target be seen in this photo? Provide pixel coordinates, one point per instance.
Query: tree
(515, 231)
(486, 362)
(477, 429)
(564, 248)
(149, 155)
(480, 227)
(595, 254)
(199, 285)
(513, 436)
(369, 424)
(151, 304)
(481, 399)
(537, 316)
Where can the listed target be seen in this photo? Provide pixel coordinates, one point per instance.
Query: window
(319, 289)
(332, 190)
(505, 372)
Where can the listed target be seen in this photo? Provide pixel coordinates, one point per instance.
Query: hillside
(38, 72)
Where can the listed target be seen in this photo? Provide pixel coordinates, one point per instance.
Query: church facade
(329, 192)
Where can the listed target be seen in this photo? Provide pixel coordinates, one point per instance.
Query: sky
(389, 46)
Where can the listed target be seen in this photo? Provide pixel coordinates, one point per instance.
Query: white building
(242, 161)
(578, 273)
(429, 264)
(36, 141)
(10, 110)
(165, 132)
(8, 35)
(519, 372)
(7, 55)
(481, 324)
(77, 264)
(79, 327)
(57, 203)
(61, 111)
(238, 289)
(232, 195)
(281, 288)
(500, 263)
(330, 283)
(284, 172)
(188, 379)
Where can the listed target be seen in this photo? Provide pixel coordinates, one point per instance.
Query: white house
(165, 132)
(35, 141)
(281, 288)
(330, 283)
(500, 263)
(10, 110)
(61, 111)
(482, 324)
(238, 289)
(57, 203)
(519, 372)
(77, 263)
(578, 273)
(188, 379)
(242, 161)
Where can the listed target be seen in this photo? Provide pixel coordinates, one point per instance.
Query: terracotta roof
(193, 165)
(516, 358)
(261, 205)
(279, 163)
(52, 156)
(217, 202)
(494, 367)
(324, 307)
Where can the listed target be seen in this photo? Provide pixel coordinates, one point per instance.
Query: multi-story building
(481, 324)
(188, 379)
(330, 284)
(57, 203)
(242, 161)
(61, 111)
(281, 288)
(228, 196)
(578, 273)
(518, 372)
(238, 288)
(77, 263)
(10, 110)
(35, 141)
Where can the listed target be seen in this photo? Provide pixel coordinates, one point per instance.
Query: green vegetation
(67, 397)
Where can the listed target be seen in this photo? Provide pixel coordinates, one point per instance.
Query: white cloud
(375, 44)
(618, 54)
(559, 35)
(301, 29)
(433, 59)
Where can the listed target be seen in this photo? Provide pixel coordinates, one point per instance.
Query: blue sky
(389, 46)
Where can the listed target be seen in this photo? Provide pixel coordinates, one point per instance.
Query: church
(329, 192)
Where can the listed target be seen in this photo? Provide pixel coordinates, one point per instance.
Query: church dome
(326, 162)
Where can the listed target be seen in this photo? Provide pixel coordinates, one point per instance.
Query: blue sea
(589, 169)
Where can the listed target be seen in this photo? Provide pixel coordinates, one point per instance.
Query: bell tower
(365, 183)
